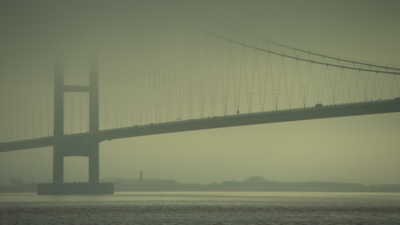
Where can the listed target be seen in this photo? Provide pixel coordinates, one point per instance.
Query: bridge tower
(64, 146)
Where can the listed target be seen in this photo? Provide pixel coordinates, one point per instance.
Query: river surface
(202, 208)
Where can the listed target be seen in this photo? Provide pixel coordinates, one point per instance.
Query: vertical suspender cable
(265, 86)
(227, 79)
(242, 62)
(356, 89)
(391, 86)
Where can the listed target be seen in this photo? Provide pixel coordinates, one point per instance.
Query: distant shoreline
(252, 184)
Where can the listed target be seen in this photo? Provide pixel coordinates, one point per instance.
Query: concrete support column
(94, 163)
(93, 97)
(94, 173)
(58, 164)
(59, 99)
(58, 154)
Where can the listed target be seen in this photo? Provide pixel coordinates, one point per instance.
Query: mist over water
(202, 208)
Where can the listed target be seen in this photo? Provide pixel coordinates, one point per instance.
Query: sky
(362, 149)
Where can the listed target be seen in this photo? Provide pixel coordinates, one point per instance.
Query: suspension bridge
(198, 80)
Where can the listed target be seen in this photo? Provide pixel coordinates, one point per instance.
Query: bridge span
(330, 111)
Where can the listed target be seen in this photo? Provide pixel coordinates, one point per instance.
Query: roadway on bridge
(332, 111)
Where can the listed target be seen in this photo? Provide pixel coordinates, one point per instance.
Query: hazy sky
(361, 149)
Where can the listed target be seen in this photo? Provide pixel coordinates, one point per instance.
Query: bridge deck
(354, 109)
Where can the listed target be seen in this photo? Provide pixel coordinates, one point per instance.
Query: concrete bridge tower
(74, 147)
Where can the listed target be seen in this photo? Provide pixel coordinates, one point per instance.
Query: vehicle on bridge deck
(319, 105)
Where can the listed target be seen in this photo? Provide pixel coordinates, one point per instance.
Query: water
(202, 208)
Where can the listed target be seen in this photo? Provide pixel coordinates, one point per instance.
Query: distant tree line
(254, 183)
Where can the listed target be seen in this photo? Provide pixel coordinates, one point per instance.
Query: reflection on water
(202, 208)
